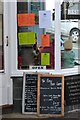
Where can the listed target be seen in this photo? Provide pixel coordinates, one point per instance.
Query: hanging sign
(45, 40)
(44, 19)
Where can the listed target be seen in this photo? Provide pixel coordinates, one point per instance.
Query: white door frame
(5, 81)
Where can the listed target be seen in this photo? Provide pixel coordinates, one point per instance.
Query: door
(4, 58)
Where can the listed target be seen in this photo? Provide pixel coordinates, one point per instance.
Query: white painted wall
(6, 90)
(3, 90)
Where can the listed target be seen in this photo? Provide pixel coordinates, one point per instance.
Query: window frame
(13, 48)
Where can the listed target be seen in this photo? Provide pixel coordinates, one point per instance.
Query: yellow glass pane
(26, 38)
(45, 58)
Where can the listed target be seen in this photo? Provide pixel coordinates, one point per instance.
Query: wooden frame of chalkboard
(29, 98)
(50, 101)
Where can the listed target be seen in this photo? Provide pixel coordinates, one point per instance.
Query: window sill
(65, 72)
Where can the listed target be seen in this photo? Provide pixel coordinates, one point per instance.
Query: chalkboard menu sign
(72, 90)
(51, 95)
(29, 93)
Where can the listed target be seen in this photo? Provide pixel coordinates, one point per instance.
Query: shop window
(1, 37)
(70, 34)
(35, 42)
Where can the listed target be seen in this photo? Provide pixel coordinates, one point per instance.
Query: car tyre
(75, 34)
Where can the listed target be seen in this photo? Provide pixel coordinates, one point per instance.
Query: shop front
(38, 37)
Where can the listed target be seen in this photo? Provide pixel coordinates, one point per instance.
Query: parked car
(68, 28)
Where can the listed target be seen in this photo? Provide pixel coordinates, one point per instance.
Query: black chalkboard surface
(72, 90)
(29, 102)
(51, 95)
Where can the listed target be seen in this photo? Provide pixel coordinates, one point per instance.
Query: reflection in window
(70, 33)
(1, 37)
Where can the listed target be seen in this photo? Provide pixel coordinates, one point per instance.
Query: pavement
(17, 116)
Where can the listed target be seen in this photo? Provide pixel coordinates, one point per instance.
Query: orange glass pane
(45, 40)
(26, 19)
